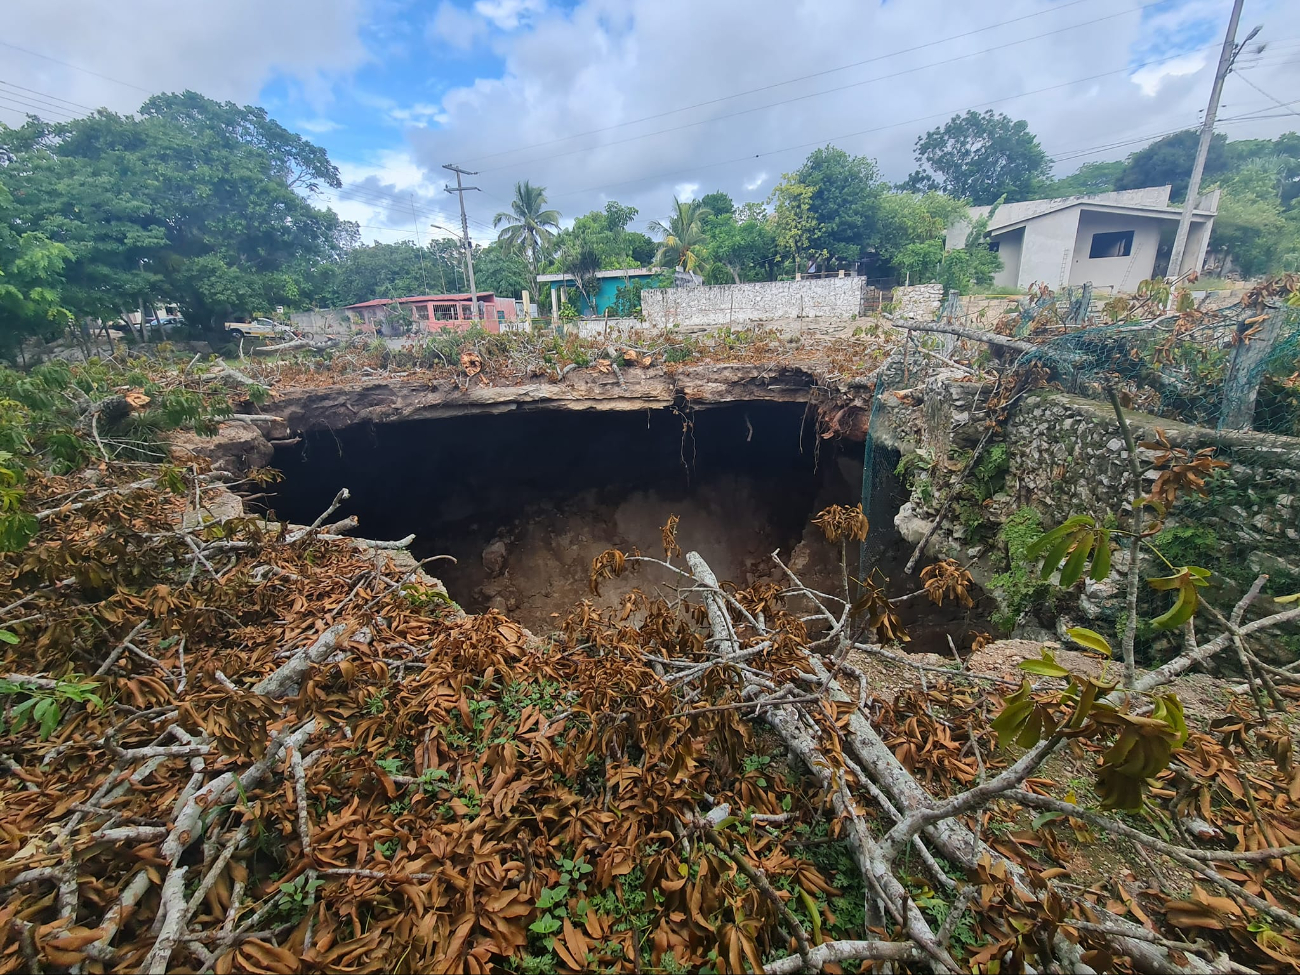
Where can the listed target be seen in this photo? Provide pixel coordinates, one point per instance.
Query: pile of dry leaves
(229, 746)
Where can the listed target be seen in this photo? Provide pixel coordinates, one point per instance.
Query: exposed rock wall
(1064, 455)
(240, 446)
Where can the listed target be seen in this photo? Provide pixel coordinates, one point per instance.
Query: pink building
(433, 312)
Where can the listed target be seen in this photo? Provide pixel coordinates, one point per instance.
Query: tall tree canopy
(201, 203)
(502, 270)
(1169, 160)
(31, 281)
(845, 203)
(1090, 178)
(980, 158)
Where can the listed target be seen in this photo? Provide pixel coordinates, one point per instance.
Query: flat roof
(374, 302)
(622, 272)
(1156, 213)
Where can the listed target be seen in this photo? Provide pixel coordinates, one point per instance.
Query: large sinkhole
(525, 500)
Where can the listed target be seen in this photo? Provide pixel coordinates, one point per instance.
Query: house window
(444, 313)
(1118, 244)
(995, 245)
(501, 315)
(422, 312)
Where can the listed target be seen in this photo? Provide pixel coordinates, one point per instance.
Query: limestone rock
(494, 556)
(910, 524)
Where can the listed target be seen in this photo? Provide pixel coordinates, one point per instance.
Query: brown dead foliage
(472, 796)
(458, 765)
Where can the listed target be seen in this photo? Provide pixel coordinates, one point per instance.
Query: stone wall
(1066, 455)
(762, 301)
(322, 322)
(1063, 455)
(596, 328)
(919, 302)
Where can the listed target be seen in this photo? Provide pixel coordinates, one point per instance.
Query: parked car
(167, 324)
(261, 328)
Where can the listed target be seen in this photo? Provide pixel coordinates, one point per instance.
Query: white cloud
(227, 50)
(318, 125)
(509, 14)
(652, 97)
(393, 198)
(1150, 78)
(456, 26)
(686, 191)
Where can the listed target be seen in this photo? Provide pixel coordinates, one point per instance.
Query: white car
(259, 328)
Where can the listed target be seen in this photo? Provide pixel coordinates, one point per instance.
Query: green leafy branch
(43, 704)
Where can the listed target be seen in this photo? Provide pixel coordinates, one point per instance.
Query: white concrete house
(1110, 239)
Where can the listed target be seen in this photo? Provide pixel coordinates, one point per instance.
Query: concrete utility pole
(1226, 58)
(460, 192)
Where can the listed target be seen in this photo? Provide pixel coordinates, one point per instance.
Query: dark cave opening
(524, 500)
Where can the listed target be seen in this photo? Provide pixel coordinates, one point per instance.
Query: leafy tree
(972, 264)
(719, 204)
(501, 269)
(980, 158)
(1251, 226)
(740, 251)
(1093, 177)
(1169, 160)
(844, 205)
(31, 279)
(607, 234)
(794, 224)
(378, 271)
(197, 202)
(683, 236)
(913, 227)
(528, 223)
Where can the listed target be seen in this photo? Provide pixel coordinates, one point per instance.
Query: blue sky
(641, 100)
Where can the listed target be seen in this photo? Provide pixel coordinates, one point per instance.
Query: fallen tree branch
(171, 910)
(1133, 581)
(289, 675)
(975, 335)
(833, 952)
(759, 880)
(1191, 859)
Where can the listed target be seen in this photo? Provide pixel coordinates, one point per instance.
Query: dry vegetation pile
(233, 746)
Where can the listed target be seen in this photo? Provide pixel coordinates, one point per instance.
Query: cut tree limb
(289, 675)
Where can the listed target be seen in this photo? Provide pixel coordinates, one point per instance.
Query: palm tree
(683, 243)
(527, 223)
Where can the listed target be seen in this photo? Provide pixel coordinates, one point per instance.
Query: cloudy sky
(638, 100)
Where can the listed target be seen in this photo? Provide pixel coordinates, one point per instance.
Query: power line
(47, 97)
(879, 128)
(1277, 101)
(75, 67)
(825, 91)
(33, 109)
(780, 84)
(1067, 154)
(381, 198)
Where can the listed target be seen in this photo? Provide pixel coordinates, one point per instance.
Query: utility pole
(460, 192)
(1226, 58)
